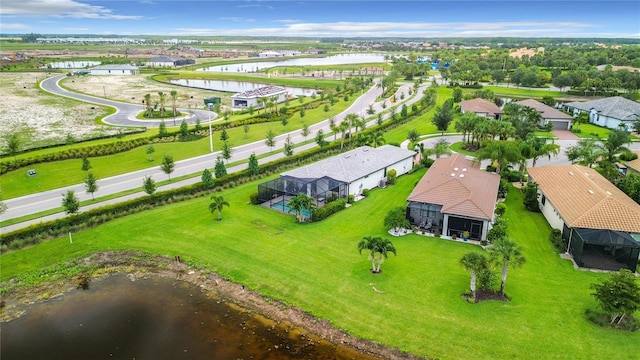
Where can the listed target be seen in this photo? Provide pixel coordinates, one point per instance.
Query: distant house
(600, 223)
(454, 197)
(314, 52)
(613, 112)
(557, 118)
(633, 166)
(169, 61)
(252, 97)
(482, 107)
(114, 70)
(337, 177)
(270, 54)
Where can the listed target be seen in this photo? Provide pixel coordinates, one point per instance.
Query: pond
(235, 86)
(70, 64)
(154, 318)
(341, 59)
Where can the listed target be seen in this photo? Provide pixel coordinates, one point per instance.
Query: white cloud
(414, 29)
(5, 26)
(59, 8)
(236, 19)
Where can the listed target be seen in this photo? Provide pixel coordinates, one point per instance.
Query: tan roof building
(600, 223)
(633, 165)
(454, 197)
(482, 107)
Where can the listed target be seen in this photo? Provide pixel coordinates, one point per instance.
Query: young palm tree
(147, 102)
(217, 205)
(174, 98)
(378, 248)
(298, 203)
(163, 99)
(474, 263)
(506, 253)
(535, 147)
(351, 119)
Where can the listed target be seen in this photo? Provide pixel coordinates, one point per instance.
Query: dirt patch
(137, 264)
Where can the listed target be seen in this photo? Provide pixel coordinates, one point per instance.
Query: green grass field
(316, 267)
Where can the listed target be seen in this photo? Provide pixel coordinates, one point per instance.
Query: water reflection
(341, 59)
(234, 86)
(154, 318)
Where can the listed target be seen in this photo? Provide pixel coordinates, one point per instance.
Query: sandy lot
(41, 119)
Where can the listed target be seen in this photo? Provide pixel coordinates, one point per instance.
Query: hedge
(329, 209)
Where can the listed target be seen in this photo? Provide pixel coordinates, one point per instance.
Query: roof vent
(461, 175)
(453, 174)
(571, 173)
(608, 193)
(455, 169)
(464, 169)
(590, 191)
(347, 156)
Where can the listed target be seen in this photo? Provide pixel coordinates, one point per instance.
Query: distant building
(252, 97)
(270, 54)
(169, 61)
(114, 70)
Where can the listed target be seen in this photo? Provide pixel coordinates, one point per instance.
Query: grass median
(317, 267)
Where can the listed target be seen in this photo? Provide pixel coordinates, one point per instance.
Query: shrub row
(329, 209)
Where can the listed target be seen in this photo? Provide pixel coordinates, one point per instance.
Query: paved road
(125, 112)
(35, 203)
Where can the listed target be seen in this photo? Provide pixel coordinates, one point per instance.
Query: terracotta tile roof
(480, 106)
(634, 164)
(585, 199)
(459, 186)
(546, 111)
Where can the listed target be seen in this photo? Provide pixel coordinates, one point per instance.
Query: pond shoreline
(212, 284)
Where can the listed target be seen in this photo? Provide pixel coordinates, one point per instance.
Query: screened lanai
(603, 249)
(280, 190)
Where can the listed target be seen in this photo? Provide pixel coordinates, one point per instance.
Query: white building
(614, 112)
(270, 54)
(115, 70)
(252, 97)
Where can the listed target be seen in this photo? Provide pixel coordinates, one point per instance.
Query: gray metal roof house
(613, 112)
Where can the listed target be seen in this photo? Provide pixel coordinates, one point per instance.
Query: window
(429, 211)
(543, 200)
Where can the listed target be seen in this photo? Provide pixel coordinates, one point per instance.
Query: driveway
(565, 135)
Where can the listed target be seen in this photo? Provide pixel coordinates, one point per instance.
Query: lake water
(70, 64)
(234, 86)
(153, 318)
(340, 59)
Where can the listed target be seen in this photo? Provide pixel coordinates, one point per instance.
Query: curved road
(51, 199)
(125, 112)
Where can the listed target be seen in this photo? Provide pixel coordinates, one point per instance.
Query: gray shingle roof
(615, 107)
(353, 164)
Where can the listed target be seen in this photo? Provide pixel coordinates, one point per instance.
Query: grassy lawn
(316, 267)
(588, 131)
(522, 92)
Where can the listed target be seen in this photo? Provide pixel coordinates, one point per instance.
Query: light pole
(210, 131)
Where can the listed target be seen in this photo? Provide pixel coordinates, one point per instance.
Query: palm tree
(501, 153)
(147, 102)
(535, 147)
(608, 150)
(507, 253)
(351, 120)
(465, 124)
(174, 98)
(379, 250)
(344, 126)
(263, 100)
(440, 148)
(377, 139)
(300, 202)
(163, 99)
(217, 205)
(274, 101)
(475, 263)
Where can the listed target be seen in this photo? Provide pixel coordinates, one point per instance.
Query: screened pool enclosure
(285, 187)
(602, 248)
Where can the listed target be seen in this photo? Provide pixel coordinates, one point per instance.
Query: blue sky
(321, 18)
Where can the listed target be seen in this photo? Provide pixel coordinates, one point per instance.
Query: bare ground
(213, 285)
(42, 119)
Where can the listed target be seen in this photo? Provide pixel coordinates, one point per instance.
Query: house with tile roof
(338, 176)
(600, 223)
(633, 166)
(481, 107)
(612, 112)
(454, 197)
(549, 115)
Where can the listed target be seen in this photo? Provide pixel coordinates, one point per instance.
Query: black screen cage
(322, 190)
(602, 248)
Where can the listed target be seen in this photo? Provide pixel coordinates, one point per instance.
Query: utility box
(213, 100)
(32, 173)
